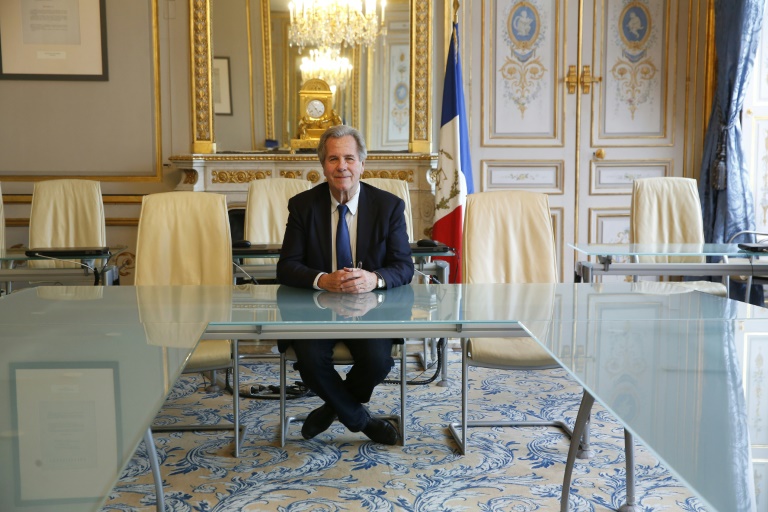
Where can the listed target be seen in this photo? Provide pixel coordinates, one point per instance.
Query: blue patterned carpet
(510, 469)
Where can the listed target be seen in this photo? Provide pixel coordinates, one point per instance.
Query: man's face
(342, 166)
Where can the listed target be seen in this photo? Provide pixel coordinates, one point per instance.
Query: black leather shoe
(381, 431)
(318, 421)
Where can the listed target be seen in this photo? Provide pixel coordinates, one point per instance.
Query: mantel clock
(317, 114)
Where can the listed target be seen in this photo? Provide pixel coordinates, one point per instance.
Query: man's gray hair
(336, 132)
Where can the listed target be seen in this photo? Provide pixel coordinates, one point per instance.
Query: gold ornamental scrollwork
(125, 262)
(292, 174)
(190, 176)
(421, 42)
(238, 176)
(313, 176)
(390, 174)
(201, 76)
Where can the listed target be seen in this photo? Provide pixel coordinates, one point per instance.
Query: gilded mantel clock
(317, 114)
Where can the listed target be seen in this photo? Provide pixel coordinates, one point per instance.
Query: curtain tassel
(719, 171)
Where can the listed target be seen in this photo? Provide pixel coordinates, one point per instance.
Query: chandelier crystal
(326, 64)
(334, 23)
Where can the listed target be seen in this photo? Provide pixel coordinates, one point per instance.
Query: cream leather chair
(508, 238)
(400, 189)
(266, 215)
(668, 211)
(183, 239)
(428, 345)
(66, 213)
(266, 212)
(341, 355)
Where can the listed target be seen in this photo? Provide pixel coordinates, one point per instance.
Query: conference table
(82, 375)
(668, 260)
(93, 270)
(258, 262)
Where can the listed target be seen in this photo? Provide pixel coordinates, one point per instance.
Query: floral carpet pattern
(505, 469)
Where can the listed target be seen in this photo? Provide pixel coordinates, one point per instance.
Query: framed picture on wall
(220, 86)
(53, 40)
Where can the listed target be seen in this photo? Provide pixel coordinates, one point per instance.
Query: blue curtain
(724, 187)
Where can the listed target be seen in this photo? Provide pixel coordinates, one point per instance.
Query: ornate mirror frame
(202, 58)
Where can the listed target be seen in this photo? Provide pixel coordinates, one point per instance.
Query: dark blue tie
(343, 247)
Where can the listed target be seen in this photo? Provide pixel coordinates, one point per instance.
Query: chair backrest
(183, 239)
(266, 211)
(508, 238)
(400, 189)
(66, 213)
(666, 211)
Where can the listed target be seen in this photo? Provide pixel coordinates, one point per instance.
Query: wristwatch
(380, 281)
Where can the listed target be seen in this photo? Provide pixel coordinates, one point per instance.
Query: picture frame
(221, 86)
(70, 416)
(53, 40)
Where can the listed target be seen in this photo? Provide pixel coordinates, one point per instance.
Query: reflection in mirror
(266, 77)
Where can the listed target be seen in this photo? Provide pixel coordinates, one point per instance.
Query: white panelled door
(578, 99)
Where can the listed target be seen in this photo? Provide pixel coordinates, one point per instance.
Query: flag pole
(453, 176)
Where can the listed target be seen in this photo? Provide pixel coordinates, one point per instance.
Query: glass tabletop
(81, 378)
(666, 361)
(731, 250)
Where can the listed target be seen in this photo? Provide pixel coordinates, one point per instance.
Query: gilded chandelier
(326, 64)
(334, 23)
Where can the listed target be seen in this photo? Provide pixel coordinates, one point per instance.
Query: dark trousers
(373, 361)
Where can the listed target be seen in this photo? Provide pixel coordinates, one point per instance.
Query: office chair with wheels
(341, 354)
(183, 239)
(66, 213)
(667, 210)
(508, 238)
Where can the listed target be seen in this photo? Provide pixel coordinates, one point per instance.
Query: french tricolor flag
(454, 165)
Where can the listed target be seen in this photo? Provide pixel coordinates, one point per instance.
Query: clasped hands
(348, 280)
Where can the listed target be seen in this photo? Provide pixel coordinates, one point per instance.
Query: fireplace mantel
(231, 173)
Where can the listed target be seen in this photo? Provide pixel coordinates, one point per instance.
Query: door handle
(572, 79)
(599, 154)
(587, 79)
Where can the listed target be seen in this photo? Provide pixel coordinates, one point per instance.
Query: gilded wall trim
(307, 157)
(421, 66)
(238, 176)
(202, 106)
(189, 176)
(390, 174)
(269, 81)
(293, 174)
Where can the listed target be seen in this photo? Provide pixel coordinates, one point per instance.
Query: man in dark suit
(349, 237)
